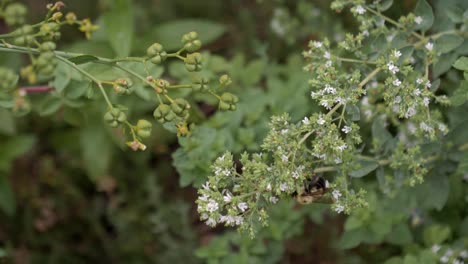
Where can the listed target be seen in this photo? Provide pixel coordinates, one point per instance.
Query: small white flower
(426, 101)
(429, 46)
(295, 175)
(227, 198)
(365, 33)
(284, 187)
(457, 261)
(428, 84)
(444, 259)
(317, 44)
(284, 158)
(273, 199)
(410, 112)
(365, 101)
(217, 171)
(221, 158)
(417, 92)
(268, 187)
(212, 206)
(397, 53)
(204, 197)
(435, 248)
(327, 55)
(342, 147)
(321, 121)
(226, 172)
(419, 81)
(325, 104)
(425, 127)
(210, 222)
(329, 89)
(239, 220)
(339, 208)
(464, 254)
(360, 10)
(418, 20)
(411, 128)
(396, 82)
(206, 186)
(306, 121)
(336, 194)
(392, 68)
(204, 216)
(368, 113)
(340, 100)
(442, 127)
(346, 129)
(397, 100)
(284, 131)
(242, 206)
(328, 64)
(327, 184)
(338, 160)
(449, 252)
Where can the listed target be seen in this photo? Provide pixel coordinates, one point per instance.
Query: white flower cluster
(339, 208)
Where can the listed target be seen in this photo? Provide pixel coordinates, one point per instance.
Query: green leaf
(83, 59)
(96, 149)
(76, 89)
(444, 64)
(406, 53)
(119, 26)
(461, 64)
(436, 234)
(454, 13)
(351, 239)
(400, 235)
(253, 72)
(384, 5)
(447, 43)
(13, 148)
(169, 34)
(367, 166)
(460, 96)
(424, 10)
(50, 105)
(8, 123)
(380, 134)
(7, 198)
(353, 113)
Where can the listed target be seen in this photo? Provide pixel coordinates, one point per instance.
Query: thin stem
(92, 78)
(391, 21)
(369, 77)
(179, 86)
(354, 60)
(175, 55)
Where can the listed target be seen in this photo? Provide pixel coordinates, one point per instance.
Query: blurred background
(70, 192)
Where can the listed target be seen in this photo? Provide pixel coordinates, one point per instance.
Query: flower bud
(156, 53)
(225, 80)
(143, 128)
(193, 62)
(70, 18)
(200, 84)
(15, 14)
(115, 117)
(191, 41)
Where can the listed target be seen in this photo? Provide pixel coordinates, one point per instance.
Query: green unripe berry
(15, 14)
(23, 40)
(47, 46)
(180, 107)
(156, 53)
(225, 80)
(193, 62)
(200, 84)
(191, 42)
(50, 27)
(163, 113)
(228, 102)
(143, 128)
(162, 85)
(8, 79)
(48, 70)
(115, 117)
(122, 86)
(24, 30)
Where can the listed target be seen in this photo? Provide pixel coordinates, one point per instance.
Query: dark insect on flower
(313, 191)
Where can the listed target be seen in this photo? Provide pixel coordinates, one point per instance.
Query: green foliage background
(70, 192)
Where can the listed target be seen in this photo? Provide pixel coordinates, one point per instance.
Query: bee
(314, 190)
